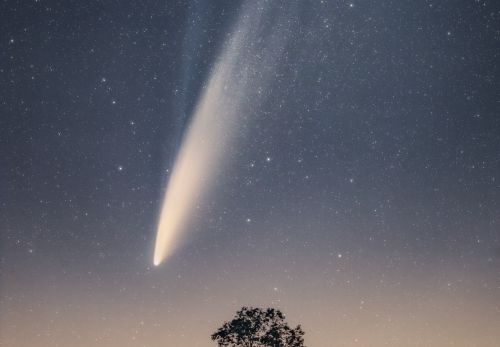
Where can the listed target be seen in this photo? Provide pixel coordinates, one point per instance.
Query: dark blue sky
(362, 197)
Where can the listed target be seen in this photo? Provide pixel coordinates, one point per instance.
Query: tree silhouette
(255, 327)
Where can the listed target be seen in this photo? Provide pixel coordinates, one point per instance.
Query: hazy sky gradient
(359, 192)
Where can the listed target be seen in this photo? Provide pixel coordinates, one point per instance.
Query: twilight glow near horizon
(164, 163)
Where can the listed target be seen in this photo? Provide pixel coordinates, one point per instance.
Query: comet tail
(225, 99)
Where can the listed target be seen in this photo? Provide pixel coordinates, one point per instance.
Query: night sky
(352, 178)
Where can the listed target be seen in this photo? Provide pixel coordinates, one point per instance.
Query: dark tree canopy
(255, 327)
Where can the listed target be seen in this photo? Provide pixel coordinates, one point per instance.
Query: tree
(255, 327)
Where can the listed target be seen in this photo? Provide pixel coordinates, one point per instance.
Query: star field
(361, 194)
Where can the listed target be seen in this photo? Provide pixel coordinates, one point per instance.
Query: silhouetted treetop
(256, 327)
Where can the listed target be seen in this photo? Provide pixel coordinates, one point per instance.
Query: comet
(233, 89)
